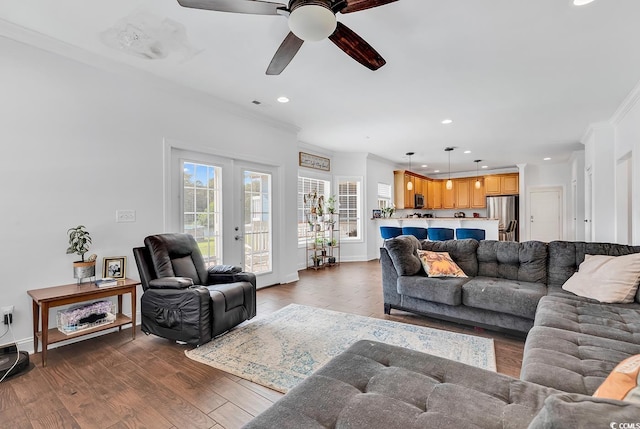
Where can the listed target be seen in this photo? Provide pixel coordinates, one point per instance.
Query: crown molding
(627, 105)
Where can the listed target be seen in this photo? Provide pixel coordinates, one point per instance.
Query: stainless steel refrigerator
(505, 209)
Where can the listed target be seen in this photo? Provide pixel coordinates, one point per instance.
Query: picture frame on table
(114, 267)
(377, 213)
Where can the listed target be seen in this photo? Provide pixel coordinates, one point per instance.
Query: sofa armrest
(572, 410)
(171, 283)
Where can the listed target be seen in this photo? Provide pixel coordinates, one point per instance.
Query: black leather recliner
(185, 301)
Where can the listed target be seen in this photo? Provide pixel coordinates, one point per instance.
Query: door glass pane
(257, 222)
(202, 197)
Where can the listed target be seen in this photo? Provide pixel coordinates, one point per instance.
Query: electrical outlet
(7, 314)
(125, 215)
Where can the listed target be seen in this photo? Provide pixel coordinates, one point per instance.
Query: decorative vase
(84, 270)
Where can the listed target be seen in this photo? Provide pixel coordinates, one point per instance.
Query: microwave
(419, 201)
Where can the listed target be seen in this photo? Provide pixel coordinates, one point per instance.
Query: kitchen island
(489, 225)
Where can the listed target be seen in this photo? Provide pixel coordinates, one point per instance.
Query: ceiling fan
(309, 20)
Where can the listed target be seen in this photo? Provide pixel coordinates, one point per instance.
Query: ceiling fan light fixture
(312, 22)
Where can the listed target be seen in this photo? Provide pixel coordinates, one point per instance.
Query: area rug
(281, 349)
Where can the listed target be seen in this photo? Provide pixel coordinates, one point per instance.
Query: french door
(227, 205)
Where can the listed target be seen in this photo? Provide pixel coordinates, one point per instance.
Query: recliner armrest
(224, 269)
(216, 278)
(171, 283)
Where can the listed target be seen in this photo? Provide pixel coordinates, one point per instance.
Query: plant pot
(84, 270)
(331, 260)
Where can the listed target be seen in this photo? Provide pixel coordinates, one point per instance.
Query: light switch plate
(125, 215)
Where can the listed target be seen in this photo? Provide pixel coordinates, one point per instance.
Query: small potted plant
(331, 204)
(317, 260)
(79, 242)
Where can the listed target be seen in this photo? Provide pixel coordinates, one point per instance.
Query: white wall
(575, 200)
(627, 143)
(378, 171)
(79, 143)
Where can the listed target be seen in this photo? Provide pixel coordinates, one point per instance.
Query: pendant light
(478, 184)
(449, 184)
(410, 182)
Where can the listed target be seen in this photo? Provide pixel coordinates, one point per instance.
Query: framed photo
(115, 267)
(377, 213)
(314, 161)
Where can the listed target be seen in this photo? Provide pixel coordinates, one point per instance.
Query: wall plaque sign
(314, 161)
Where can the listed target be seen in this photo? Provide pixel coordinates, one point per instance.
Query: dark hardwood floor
(114, 382)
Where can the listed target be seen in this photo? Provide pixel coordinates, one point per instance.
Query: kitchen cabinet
(462, 192)
(478, 195)
(502, 184)
(434, 194)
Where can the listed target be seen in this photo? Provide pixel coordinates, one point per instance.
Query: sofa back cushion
(403, 251)
(463, 253)
(566, 256)
(525, 261)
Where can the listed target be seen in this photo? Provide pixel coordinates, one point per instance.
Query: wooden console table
(55, 296)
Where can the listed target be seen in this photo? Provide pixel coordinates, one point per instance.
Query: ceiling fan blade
(285, 53)
(357, 5)
(356, 47)
(257, 7)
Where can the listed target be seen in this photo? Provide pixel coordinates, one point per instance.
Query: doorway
(624, 197)
(545, 214)
(227, 205)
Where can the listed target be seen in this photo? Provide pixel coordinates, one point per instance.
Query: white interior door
(624, 201)
(588, 205)
(545, 214)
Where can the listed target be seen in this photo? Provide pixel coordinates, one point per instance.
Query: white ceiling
(522, 79)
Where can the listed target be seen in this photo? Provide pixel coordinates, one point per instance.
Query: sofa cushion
(445, 290)
(526, 262)
(463, 252)
(570, 361)
(374, 385)
(566, 256)
(623, 383)
(612, 279)
(602, 320)
(571, 411)
(439, 264)
(403, 251)
(502, 295)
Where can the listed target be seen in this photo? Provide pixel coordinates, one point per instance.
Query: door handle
(531, 219)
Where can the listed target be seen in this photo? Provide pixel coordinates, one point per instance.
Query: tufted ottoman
(375, 385)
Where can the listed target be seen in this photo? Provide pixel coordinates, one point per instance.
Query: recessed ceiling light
(485, 166)
(547, 159)
(447, 121)
(467, 151)
(436, 171)
(424, 165)
(581, 2)
(283, 100)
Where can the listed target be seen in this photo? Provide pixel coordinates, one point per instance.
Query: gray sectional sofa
(573, 343)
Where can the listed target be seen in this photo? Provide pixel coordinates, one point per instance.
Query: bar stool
(478, 234)
(440, 234)
(388, 232)
(417, 232)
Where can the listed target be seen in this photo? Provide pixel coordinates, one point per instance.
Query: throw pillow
(611, 279)
(439, 264)
(622, 383)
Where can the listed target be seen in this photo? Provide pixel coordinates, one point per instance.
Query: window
(384, 195)
(257, 223)
(202, 208)
(305, 186)
(349, 194)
